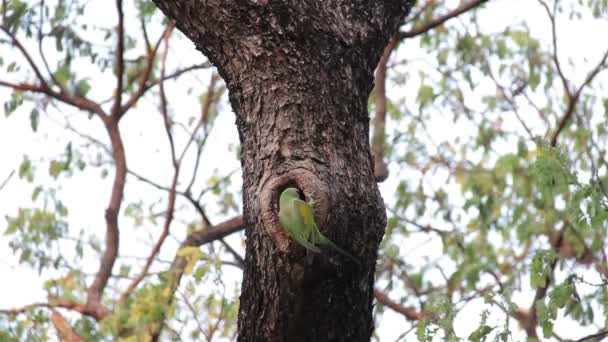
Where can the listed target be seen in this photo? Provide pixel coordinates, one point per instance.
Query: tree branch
(529, 321)
(177, 74)
(558, 65)
(573, 99)
(65, 332)
(10, 175)
(120, 61)
(463, 8)
(409, 313)
(221, 230)
(380, 167)
(76, 101)
(145, 76)
(27, 56)
(98, 313)
(594, 337)
(173, 187)
(95, 291)
(194, 239)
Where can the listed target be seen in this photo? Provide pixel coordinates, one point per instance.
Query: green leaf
(55, 168)
(426, 94)
(480, 333)
(26, 170)
(34, 119)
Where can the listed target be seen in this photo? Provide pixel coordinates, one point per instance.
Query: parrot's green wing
(294, 223)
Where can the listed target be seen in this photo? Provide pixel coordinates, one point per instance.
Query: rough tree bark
(299, 74)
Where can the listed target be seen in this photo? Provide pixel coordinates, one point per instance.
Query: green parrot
(298, 219)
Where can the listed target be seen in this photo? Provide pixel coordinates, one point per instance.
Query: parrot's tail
(327, 242)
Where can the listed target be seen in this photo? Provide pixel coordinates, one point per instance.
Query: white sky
(142, 129)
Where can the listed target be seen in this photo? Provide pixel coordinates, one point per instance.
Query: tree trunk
(299, 75)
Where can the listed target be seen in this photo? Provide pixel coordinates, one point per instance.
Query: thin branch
(25, 309)
(221, 230)
(380, 167)
(172, 189)
(530, 321)
(40, 51)
(159, 242)
(65, 332)
(95, 291)
(3, 13)
(27, 56)
(209, 100)
(220, 317)
(573, 99)
(558, 65)
(414, 15)
(10, 175)
(509, 96)
(176, 271)
(409, 313)
(594, 337)
(56, 302)
(145, 76)
(463, 8)
(207, 223)
(79, 102)
(144, 29)
(76, 101)
(178, 73)
(195, 315)
(164, 107)
(120, 61)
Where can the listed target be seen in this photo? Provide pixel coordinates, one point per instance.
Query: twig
(178, 266)
(144, 29)
(594, 337)
(199, 324)
(27, 56)
(172, 189)
(40, 39)
(120, 60)
(145, 76)
(572, 100)
(558, 65)
(65, 332)
(380, 167)
(409, 313)
(463, 8)
(111, 215)
(10, 175)
(56, 302)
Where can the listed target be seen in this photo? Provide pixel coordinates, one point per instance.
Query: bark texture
(299, 74)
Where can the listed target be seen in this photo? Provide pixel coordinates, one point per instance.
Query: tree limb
(145, 76)
(120, 60)
(594, 337)
(463, 8)
(65, 332)
(10, 175)
(409, 313)
(380, 167)
(95, 291)
(573, 99)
